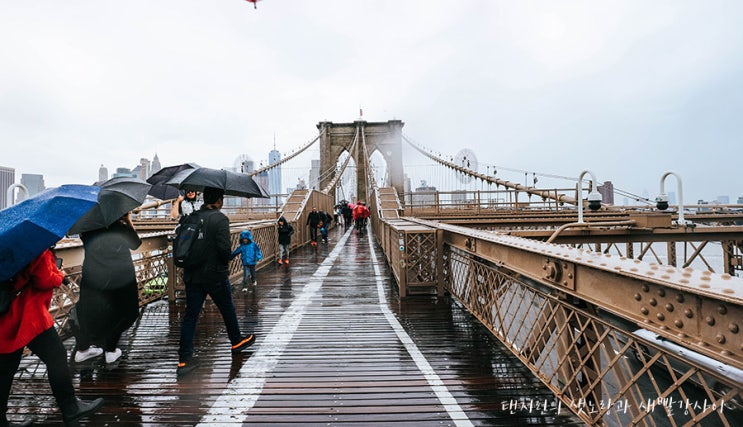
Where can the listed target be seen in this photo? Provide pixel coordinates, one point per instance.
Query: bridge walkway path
(335, 346)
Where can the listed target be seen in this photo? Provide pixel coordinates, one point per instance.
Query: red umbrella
(255, 3)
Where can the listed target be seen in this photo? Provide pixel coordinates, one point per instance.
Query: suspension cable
(286, 159)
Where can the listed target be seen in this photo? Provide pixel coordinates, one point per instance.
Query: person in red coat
(28, 323)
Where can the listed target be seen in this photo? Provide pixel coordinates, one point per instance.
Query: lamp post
(594, 197)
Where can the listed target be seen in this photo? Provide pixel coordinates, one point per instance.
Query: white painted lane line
(243, 391)
(447, 400)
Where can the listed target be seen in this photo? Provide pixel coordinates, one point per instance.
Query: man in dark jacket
(210, 278)
(313, 219)
(285, 231)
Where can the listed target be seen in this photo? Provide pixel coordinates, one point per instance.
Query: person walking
(109, 295)
(250, 253)
(185, 205)
(28, 323)
(285, 231)
(210, 278)
(313, 219)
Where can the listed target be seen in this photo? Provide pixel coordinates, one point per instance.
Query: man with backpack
(209, 275)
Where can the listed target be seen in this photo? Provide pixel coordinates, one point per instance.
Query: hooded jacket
(29, 313)
(249, 252)
(285, 231)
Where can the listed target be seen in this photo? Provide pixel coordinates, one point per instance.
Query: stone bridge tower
(384, 137)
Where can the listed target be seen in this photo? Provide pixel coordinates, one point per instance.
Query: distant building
(144, 168)
(315, 175)
(424, 195)
(102, 174)
(7, 178)
(607, 193)
(155, 167)
(34, 183)
(274, 174)
(740, 200)
(125, 172)
(723, 200)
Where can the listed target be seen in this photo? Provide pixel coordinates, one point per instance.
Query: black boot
(76, 409)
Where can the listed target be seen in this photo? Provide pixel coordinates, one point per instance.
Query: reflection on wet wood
(343, 365)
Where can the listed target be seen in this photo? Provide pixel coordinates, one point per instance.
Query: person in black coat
(313, 219)
(109, 297)
(210, 278)
(285, 231)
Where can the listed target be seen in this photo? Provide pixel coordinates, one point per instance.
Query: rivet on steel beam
(645, 288)
(669, 307)
(680, 297)
(653, 302)
(722, 309)
(688, 313)
(638, 297)
(710, 320)
(679, 324)
(661, 292)
(644, 311)
(733, 327)
(660, 317)
(720, 338)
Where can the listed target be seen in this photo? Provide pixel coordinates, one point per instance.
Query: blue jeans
(248, 274)
(221, 294)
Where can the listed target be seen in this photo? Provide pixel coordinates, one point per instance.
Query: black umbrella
(159, 178)
(117, 197)
(233, 184)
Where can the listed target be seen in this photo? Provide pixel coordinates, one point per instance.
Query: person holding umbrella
(27, 231)
(185, 204)
(210, 278)
(28, 323)
(109, 296)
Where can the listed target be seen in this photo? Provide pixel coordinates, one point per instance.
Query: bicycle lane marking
(442, 393)
(243, 391)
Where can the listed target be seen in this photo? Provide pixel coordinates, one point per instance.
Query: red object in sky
(255, 3)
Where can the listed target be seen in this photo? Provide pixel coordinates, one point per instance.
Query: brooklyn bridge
(491, 303)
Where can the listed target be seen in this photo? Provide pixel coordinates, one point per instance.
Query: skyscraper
(34, 183)
(274, 174)
(7, 178)
(155, 166)
(102, 174)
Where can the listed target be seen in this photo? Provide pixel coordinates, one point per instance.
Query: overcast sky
(626, 89)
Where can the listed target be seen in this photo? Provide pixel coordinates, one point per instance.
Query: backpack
(189, 246)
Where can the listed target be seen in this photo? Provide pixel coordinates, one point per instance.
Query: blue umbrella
(29, 227)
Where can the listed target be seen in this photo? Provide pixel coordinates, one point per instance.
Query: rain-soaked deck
(336, 346)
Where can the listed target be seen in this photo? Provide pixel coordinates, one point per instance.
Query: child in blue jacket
(250, 254)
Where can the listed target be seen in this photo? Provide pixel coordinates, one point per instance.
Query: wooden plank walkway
(335, 346)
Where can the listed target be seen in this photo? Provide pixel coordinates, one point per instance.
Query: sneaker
(245, 289)
(90, 353)
(186, 367)
(243, 344)
(286, 261)
(255, 283)
(280, 261)
(113, 356)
